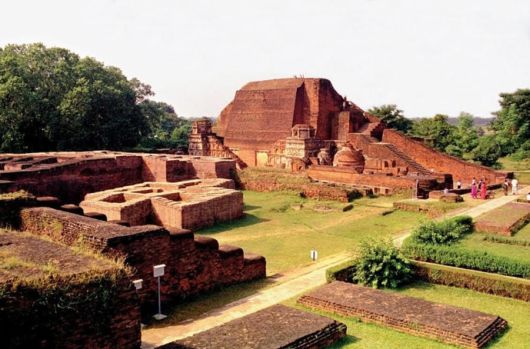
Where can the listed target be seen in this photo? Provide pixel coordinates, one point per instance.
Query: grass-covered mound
(51, 295)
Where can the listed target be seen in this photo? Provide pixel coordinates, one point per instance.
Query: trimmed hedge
(461, 257)
(507, 241)
(341, 272)
(495, 284)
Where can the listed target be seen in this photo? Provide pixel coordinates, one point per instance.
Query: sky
(426, 56)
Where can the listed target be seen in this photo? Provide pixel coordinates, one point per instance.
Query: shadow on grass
(250, 207)
(211, 302)
(344, 341)
(245, 221)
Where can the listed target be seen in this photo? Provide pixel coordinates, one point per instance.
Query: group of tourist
(480, 188)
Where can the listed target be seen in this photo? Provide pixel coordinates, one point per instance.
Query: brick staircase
(372, 130)
(414, 167)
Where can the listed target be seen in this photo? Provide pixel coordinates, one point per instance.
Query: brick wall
(194, 265)
(442, 163)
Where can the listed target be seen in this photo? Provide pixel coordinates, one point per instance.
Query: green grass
(367, 336)
(285, 236)
(192, 309)
(521, 168)
(476, 241)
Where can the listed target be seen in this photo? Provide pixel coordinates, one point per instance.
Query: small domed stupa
(347, 157)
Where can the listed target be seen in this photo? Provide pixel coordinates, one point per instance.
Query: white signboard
(158, 270)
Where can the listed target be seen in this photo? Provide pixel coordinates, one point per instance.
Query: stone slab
(275, 327)
(446, 323)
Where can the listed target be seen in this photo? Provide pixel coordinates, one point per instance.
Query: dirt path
(288, 286)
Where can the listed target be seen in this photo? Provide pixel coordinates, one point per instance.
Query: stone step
(446, 323)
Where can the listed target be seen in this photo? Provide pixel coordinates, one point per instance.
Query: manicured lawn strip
(472, 257)
(523, 233)
(476, 242)
(490, 283)
(285, 235)
(364, 335)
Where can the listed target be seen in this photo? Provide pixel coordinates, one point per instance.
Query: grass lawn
(285, 235)
(521, 168)
(523, 234)
(475, 241)
(367, 336)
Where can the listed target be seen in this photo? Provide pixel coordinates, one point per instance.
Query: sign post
(314, 255)
(158, 271)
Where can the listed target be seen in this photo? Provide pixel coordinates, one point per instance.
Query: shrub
(499, 285)
(443, 233)
(461, 257)
(381, 265)
(341, 272)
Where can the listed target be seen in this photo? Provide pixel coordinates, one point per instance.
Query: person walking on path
(515, 182)
(505, 186)
(474, 189)
(483, 190)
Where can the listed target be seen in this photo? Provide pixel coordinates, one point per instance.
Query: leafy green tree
(437, 130)
(392, 116)
(512, 122)
(465, 137)
(166, 128)
(488, 150)
(50, 99)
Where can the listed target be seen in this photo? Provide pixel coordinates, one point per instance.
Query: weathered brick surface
(74, 174)
(443, 322)
(272, 328)
(191, 204)
(193, 264)
(504, 220)
(70, 310)
(443, 163)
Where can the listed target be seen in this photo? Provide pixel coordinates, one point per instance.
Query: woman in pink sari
(483, 190)
(474, 189)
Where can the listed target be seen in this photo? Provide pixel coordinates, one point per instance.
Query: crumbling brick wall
(194, 265)
(442, 163)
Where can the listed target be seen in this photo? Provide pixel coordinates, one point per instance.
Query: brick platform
(272, 328)
(190, 204)
(504, 220)
(446, 323)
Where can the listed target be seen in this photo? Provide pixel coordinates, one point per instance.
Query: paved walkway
(299, 282)
(288, 286)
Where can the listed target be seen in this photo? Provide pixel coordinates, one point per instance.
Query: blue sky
(425, 56)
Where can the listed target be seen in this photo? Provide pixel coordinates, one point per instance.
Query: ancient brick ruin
(505, 220)
(90, 302)
(275, 327)
(304, 124)
(191, 204)
(449, 324)
(141, 207)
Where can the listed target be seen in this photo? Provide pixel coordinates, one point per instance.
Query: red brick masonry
(505, 220)
(272, 328)
(446, 323)
(193, 264)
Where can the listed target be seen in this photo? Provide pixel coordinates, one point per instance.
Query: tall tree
(50, 99)
(436, 129)
(512, 122)
(392, 116)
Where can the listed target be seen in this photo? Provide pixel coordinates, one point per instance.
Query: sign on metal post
(138, 284)
(158, 271)
(314, 255)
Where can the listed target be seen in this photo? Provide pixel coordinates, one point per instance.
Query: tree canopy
(52, 99)
(392, 116)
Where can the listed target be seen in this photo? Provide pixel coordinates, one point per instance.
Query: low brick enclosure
(190, 204)
(446, 323)
(504, 220)
(53, 297)
(379, 183)
(71, 175)
(194, 265)
(275, 327)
